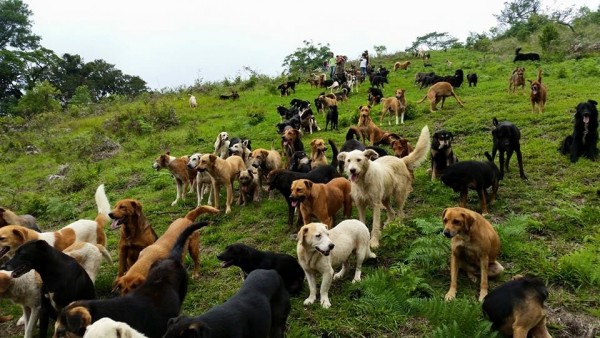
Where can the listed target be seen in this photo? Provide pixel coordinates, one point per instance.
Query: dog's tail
(423, 99)
(353, 131)
(419, 155)
(334, 150)
(104, 253)
(203, 209)
(103, 210)
(539, 75)
(488, 156)
(177, 250)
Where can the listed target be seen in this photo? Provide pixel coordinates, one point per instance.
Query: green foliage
(15, 26)
(42, 98)
(307, 58)
(255, 117)
(581, 267)
(548, 36)
(434, 40)
(380, 50)
(430, 251)
(478, 42)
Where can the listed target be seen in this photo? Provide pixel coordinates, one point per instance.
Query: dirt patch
(10, 329)
(565, 324)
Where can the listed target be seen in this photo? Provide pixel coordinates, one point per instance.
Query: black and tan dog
(516, 308)
(584, 140)
(538, 93)
(506, 137)
(442, 155)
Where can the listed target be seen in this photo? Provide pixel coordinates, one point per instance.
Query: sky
(174, 43)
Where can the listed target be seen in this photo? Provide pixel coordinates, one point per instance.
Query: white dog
(108, 328)
(89, 256)
(203, 180)
(193, 103)
(376, 181)
(320, 250)
(335, 85)
(241, 149)
(222, 145)
(352, 83)
(25, 291)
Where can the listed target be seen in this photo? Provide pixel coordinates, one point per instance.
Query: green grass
(548, 225)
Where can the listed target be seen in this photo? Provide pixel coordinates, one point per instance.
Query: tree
(380, 50)
(479, 42)
(15, 26)
(307, 58)
(434, 40)
(549, 35)
(42, 98)
(518, 11)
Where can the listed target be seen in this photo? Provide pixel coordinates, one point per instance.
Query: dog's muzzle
(448, 234)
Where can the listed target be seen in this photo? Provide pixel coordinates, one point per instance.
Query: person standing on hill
(363, 65)
(331, 65)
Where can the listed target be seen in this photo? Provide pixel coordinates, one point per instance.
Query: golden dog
(222, 172)
(538, 93)
(439, 92)
(317, 153)
(475, 246)
(264, 161)
(322, 200)
(401, 65)
(369, 130)
(327, 101)
(517, 79)
(396, 104)
(136, 275)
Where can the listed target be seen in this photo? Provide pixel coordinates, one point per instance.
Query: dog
(108, 328)
(249, 187)
(332, 117)
(378, 81)
(283, 89)
(376, 181)
(264, 161)
(249, 259)
(525, 56)
(89, 256)
(538, 93)
(401, 65)
(475, 175)
(8, 217)
(475, 245)
(137, 273)
(320, 250)
(192, 101)
(322, 200)
(290, 143)
(584, 139)
(222, 145)
(472, 79)
(300, 162)
(136, 233)
(517, 79)
(25, 291)
(222, 172)
(259, 309)
(395, 104)
(203, 180)
(291, 85)
(83, 230)
(370, 131)
(506, 139)
(53, 266)
(185, 178)
(439, 92)
(334, 85)
(374, 96)
(327, 102)
(241, 149)
(401, 147)
(355, 144)
(516, 308)
(308, 120)
(146, 309)
(234, 96)
(317, 152)
(442, 155)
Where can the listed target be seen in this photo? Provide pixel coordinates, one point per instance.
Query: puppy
(377, 181)
(472, 79)
(259, 309)
(136, 275)
(439, 92)
(442, 155)
(320, 250)
(136, 232)
(185, 178)
(584, 139)
(506, 137)
(222, 145)
(401, 65)
(249, 259)
(516, 308)
(475, 245)
(264, 161)
(322, 200)
(475, 175)
(249, 188)
(108, 328)
(146, 309)
(25, 291)
(317, 152)
(222, 172)
(8, 217)
(517, 79)
(538, 93)
(332, 117)
(89, 256)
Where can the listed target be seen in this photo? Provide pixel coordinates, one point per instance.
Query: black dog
(378, 81)
(518, 305)
(584, 140)
(259, 309)
(294, 122)
(292, 85)
(285, 113)
(472, 78)
(146, 309)
(64, 280)
(442, 155)
(283, 89)
(525, 56)
(249, 259)
(299, 104)
(506, 138)
(300, 162)
(475, 175)
(234, 96)
(332, 117)
(375, 96)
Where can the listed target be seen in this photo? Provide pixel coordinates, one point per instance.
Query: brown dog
(401, 147)
(317, 153)
(184, 177)
(264, 161)
(249, 188)
(136, 232)
(368, 129)
(401, 65)
(222, 172)
(517, 79)
(439, 92)
(322, 200)
(327, 101)
(475, 246)
(290, 143)
(8, 217)
(136, 275)
(538, 93)
(396, 105)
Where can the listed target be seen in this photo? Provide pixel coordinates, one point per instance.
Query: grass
(548, 225)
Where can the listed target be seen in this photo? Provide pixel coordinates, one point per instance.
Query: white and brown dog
(89, 256)
(222, 145)
(203, 180)
(241, 149)
(222, 172)
(185, 177)
(25, 291)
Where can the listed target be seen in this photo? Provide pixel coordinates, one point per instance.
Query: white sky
(172, 43)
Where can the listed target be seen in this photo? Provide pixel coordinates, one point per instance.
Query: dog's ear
(212, 157)
(312, 143)
(341, 156)
(495, 122)
(469, 220)
(308, 184)
(21, 234)
(137, 208)
(371, 154)
(77, 319)
(589, 101)
(444, 213)
(303, 231)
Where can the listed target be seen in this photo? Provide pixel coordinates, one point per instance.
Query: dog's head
(364, 115)
(247, 178)
(162, 161)
(504, 134)
(401, 147)
(129, 282)
(108, 328)
(316, 236)
(442, 139)
(356, 162)
(234, 254)
(300, 191)
(11, 238)
(400, 94)
(237, 149)
(207, 162)
(258, 157)
(125, 211)
(26, 257)
(587, 114)
(222, 140)
(457, 221)
(72, 321)
(183, 327)
(318, 146)
(194, 160)
(535, 87)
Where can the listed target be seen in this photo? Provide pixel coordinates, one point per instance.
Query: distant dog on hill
(525, 56)
(472, 78)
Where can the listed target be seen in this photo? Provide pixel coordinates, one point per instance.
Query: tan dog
(401, 65)
(184, 177)
(370, 131)
(8, 217)
(203, 180)
(322, 200)
(396, 105)
(327, 101)
(136, 232)
(222, 172)
(538, 93)
(317, 153)
(249, 188)
(475, 246)
(517, 79)
(439, 92)
(83, 230)
(136, 275)
(264, 161)
(89, 256)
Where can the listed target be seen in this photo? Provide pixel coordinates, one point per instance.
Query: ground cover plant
(548, 225)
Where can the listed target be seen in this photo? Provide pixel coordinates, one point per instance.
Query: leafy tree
(549, 35)
(518, 11)
(15, 26)
(307, 58)
(42, 98)
(82, 96)
(380, 49)
(434, 40)
(480, 42)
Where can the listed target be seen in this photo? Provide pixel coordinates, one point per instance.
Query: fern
(431, 250)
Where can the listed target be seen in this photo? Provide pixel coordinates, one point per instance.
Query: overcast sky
(172, 43)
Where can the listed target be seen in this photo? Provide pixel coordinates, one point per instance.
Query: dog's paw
(338, 275)
(482, 295)
(356, 280)
(21, 321)
(325, 303)
(374, 243)
(174, 203)
(309, 301)
(227, 210)
(450, 295)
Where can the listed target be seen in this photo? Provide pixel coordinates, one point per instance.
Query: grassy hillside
(548, 225)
